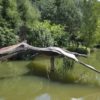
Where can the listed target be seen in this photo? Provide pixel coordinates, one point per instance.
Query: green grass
(84, 74)
(78, 74)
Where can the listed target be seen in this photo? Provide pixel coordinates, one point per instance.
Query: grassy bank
(78, 74)
(40, 66)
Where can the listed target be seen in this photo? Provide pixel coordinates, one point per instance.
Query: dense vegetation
(63, 23)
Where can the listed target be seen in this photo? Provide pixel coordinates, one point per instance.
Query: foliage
(97, 35)
(9, 12)
(28, 12)
(68, 14)
(89, 22)
(40, 35)
(80, 50)
(7, 37)
(46, 34)
(16, 14)
(64, 12)
(67, 64)
(47, 9)
(28, 15)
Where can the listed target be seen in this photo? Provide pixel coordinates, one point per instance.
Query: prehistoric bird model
(10, 51)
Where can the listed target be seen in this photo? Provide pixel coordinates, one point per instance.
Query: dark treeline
(63, 23)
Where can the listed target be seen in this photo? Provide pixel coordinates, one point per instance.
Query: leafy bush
(97, 46)
(7, 37)
(40, 35)
(79, 50)
(45, 34)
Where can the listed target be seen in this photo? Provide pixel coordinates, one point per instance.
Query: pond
(16, 84)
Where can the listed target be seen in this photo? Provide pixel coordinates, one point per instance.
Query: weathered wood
(9, 51)
(5, 57)
(52, 62)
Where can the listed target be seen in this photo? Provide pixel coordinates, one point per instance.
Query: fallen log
(7, 56)
(9, 51)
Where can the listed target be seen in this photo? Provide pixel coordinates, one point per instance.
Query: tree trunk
(52, 63)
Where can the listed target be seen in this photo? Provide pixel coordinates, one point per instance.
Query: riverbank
(40, 66)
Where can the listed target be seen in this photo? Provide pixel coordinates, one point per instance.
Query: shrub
(45, 34)
(79, 50)
(7, 37)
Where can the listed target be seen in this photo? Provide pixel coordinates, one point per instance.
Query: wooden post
(52, 63)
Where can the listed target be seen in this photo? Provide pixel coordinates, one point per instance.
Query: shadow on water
(12, 69)
(58, 75)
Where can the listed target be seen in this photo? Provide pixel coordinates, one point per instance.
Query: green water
(34, 88)
(15, 84)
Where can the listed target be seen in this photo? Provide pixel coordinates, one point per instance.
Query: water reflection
(44, 96)
(95, 96)
(34, 88)
(2, 98)
(77, 98)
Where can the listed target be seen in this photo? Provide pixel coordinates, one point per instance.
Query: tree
(64, 12)
(89, 22)
(28, 14)
(17, 15)
(47, 8)
(9, 22)
(97, 35)
(0, 8)
(10, 13)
